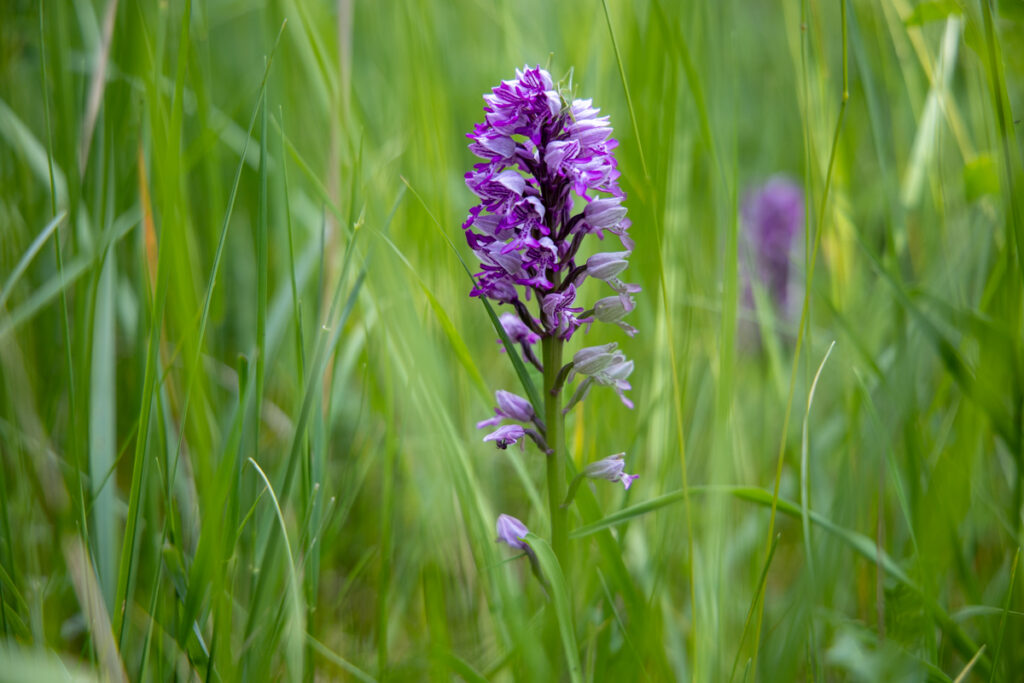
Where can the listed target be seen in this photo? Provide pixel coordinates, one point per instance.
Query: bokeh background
(240, 369)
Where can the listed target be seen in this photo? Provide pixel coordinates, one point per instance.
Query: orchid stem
(555, 422)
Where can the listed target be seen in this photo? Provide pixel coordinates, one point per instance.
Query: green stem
(555, 424)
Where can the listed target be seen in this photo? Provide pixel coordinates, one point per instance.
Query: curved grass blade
(970, 665)
(338, 661)
(805, 494)
(30, 254)
(66, 276)
(755, 601)
(294, 651)
(1002, 621)
(458, 344)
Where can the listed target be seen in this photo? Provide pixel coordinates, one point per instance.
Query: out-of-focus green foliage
(214, 469)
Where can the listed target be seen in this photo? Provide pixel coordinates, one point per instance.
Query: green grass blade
(296, 622)
(339, 662)
(325, 349)
(103, 429)
(805, 492)
(29, 254)
(1002, 619)
(755, 602)
(561, 602)
(625, 89)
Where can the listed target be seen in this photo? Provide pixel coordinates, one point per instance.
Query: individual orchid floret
(604, 214)
(613, 309)
(510, 407)
(511, 532)
(609, 368)
(516, 330)
(506, 435)
(591, 359)
(607, 264)
(611, 468)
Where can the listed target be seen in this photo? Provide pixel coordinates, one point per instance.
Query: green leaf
(560, 597)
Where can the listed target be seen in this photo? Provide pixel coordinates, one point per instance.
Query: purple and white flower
(506, 435)
(540, 156)
(511, 532)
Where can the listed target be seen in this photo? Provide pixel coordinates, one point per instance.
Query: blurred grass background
(239, 367)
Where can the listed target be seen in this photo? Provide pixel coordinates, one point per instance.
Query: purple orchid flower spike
(540, 156)
(611, 469)
(548, 180)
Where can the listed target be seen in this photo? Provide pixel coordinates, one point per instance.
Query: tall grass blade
(560, 602)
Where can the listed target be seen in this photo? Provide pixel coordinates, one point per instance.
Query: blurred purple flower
(773, 215)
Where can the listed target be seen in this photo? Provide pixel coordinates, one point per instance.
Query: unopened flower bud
(512, 532)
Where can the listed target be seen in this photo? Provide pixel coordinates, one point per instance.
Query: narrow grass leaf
(561, 602)
(754, 603)
(27, 257)
(970, 665)
(1002, 621)
(296, 614)
(805, 494)
(87, 589)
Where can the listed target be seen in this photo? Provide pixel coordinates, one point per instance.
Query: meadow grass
(240, 368)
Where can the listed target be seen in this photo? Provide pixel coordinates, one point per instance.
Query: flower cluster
(548, 178)
(541, 156)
